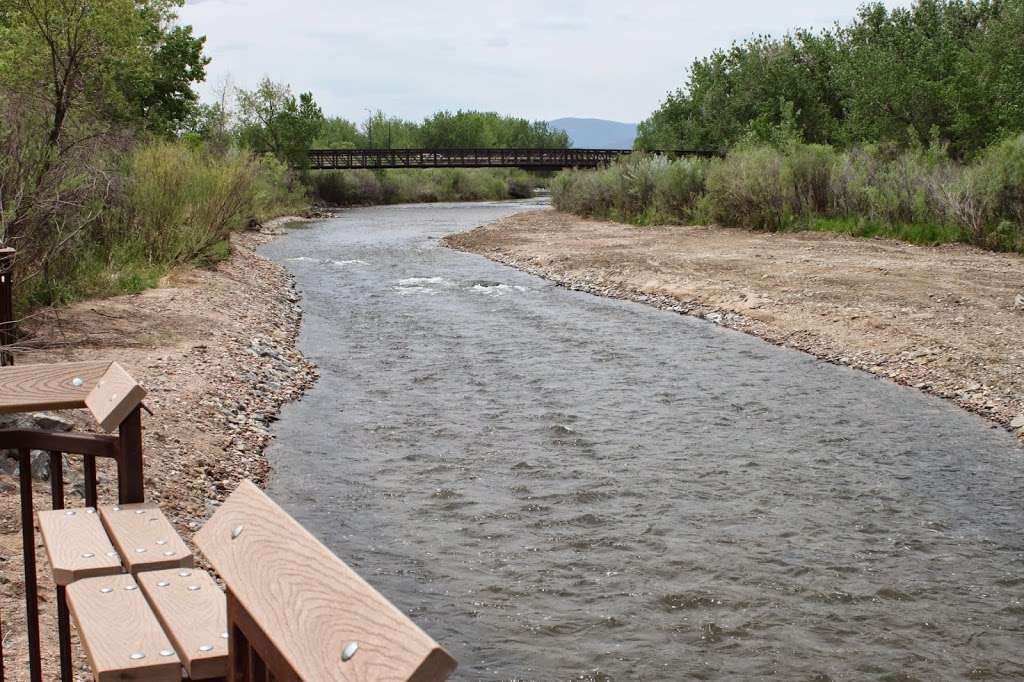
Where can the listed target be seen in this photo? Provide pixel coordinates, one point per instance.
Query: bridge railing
(540, 159)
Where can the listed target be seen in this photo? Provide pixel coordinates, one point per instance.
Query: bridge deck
(529, 159)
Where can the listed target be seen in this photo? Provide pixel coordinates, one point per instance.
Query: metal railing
(126, 451)
(528, 159)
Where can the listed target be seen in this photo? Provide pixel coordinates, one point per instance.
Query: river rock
(48, 421)
(1019, 302)
(1017, 422)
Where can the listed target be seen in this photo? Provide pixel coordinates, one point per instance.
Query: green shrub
(750, 188)
(678, 188)
(990, 201)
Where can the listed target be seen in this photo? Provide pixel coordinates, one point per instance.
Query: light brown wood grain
(77, 545)
(116, 394)
(27, 388)
(193, 612)
(308, 602)
(144, 537)
(114, 625)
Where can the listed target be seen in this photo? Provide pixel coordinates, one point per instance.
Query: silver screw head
(69, 512)
(77, 382)
(140, 550)
(106, 590)
(168, 553)
(223, 635)
(236, 531)
(87, 555)
(137, 656)
(184, 574)
(90, 510)
(166, 652)
(193, 588)
(111, 554)
(130, 588)
(349, 651)
(206, 647)
(140, 511)
(117, 509)
(161, 542)
(163, 583)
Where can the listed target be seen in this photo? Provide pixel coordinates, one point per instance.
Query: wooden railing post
(6, 314)
(131, 486)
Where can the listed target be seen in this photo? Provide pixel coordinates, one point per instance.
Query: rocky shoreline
(563, 249)
(216, 350)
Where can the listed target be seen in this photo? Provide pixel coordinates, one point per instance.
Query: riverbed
(561, 486)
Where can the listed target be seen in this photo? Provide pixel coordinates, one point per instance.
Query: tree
(272, 120)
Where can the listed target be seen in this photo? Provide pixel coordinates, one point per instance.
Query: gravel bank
(945, 320)
(216, 350)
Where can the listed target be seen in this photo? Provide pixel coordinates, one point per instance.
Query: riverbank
(940, 319)
(216, 350)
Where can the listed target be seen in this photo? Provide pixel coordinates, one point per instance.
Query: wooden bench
(292, 611)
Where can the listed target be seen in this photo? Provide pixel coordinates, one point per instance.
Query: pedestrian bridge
(527, 159)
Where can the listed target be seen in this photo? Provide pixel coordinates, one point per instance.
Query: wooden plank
(120, 634)
(116, 394)
(144, 537)
(30, 388)
(76, 545)
(193, 612)
(309, 604)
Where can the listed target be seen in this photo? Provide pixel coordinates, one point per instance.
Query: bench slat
(307, 602)
(76, 545)
(135, 527)
(193, 612)
(116, 625)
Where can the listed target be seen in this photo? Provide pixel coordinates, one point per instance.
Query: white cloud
(537, 59)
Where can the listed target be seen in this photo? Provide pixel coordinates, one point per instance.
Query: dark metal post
(28, 541)
(130, 479)
(6, 313)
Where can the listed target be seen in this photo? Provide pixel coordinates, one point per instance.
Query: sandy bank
(216, 351)
(941, 319)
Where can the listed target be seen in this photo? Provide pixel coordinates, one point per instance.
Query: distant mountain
(596, 133)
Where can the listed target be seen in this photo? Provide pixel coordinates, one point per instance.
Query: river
(558, 486)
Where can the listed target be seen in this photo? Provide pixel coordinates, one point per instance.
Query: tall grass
(364, 188)
(917, 195)
(172, 204)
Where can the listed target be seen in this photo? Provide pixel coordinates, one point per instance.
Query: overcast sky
(541, 60)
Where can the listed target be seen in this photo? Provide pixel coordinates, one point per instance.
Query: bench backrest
(297, 612)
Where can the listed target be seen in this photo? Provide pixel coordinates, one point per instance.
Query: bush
(171, 203)
(750, 188)
(917, 195)
(990, 200)
(364, 188)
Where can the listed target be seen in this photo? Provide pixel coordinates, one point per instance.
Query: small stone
(48, 421)
(1017, 422)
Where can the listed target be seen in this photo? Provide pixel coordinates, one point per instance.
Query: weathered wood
(116, 626)
(309, 604)
(76, 545)
(29, 388)
(144, 537)
(115, 396)
(193, 612)
(102, 386)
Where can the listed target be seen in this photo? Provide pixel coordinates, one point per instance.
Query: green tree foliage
(444, 129)
(947, 70)
(272, 120)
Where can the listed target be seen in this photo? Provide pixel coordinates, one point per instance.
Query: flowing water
(559, 486)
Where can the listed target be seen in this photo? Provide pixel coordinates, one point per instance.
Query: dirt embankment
(215, 349)
(945, 320)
